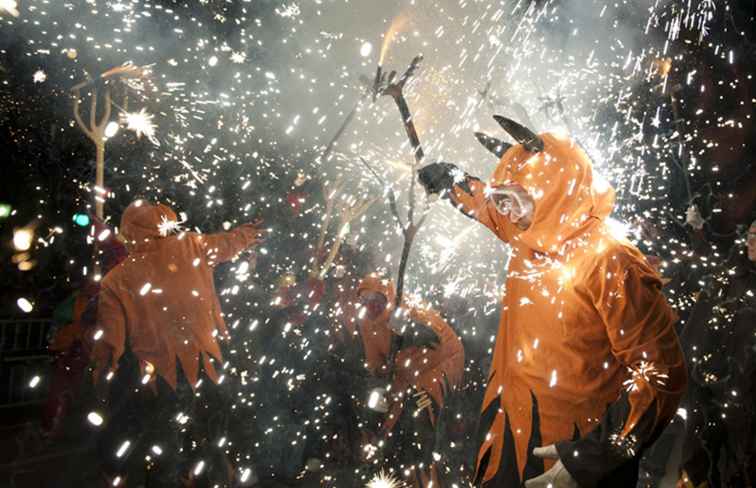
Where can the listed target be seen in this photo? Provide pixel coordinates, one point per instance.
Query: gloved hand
(439, 177)
(556, 477)
(413, 334)
(421, 336)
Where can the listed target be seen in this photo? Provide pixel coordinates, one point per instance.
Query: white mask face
(514, 202)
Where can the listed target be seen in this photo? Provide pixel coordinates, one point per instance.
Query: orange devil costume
(586, 356)
(161, 300)
(431, 370)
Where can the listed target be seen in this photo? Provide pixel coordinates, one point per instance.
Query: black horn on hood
(521, 134)
(494, 145)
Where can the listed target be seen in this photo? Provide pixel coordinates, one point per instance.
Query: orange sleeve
(476, 205)
(225, 246)
(640, 327)
(111, 320)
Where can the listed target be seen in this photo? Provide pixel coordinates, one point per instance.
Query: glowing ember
(141, 123)
(366, 49)
(25, 305)
(39, 76)
(23, 239)
(95, 419)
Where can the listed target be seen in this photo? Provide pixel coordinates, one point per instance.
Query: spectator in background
(720, 346)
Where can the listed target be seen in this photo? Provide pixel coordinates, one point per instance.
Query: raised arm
(225, 246)
(468, 194)
(640, 326)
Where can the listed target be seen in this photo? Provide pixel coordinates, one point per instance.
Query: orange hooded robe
(586, 356)
(161, 299)
(431, 370)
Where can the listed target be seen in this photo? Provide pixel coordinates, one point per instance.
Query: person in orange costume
(428, 366)
(587, 368)
(158, 308)
(161, 299)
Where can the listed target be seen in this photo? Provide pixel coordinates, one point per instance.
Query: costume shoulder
(115, 275)
(619, 255)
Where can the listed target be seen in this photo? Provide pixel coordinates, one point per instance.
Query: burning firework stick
(396, 91)
(386, 86)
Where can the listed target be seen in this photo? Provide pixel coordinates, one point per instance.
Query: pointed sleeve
(110, 333)
(640, 327)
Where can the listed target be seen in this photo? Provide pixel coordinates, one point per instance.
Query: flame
(396, 25)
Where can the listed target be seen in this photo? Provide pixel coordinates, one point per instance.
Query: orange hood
(384, 286)
(141, 221)
(568, 198)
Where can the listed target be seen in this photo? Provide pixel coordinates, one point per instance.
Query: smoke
(251, 92)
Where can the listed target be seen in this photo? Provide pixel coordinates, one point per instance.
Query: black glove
(420, 336)
(439, 177)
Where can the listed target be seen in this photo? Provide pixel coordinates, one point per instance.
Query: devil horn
(494, 145)
(521, 134)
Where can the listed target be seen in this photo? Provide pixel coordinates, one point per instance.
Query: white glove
(556, 477)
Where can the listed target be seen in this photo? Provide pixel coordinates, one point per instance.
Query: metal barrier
(23, 355)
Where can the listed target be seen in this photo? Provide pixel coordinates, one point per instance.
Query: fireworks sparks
(644, 373)
(396, 26)
(168, 226)
(40, 76)
(141, 124)
(240, 114)
(238, 57)
(95, 419)
(25, 305)
(626, 446)
(384, 480)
